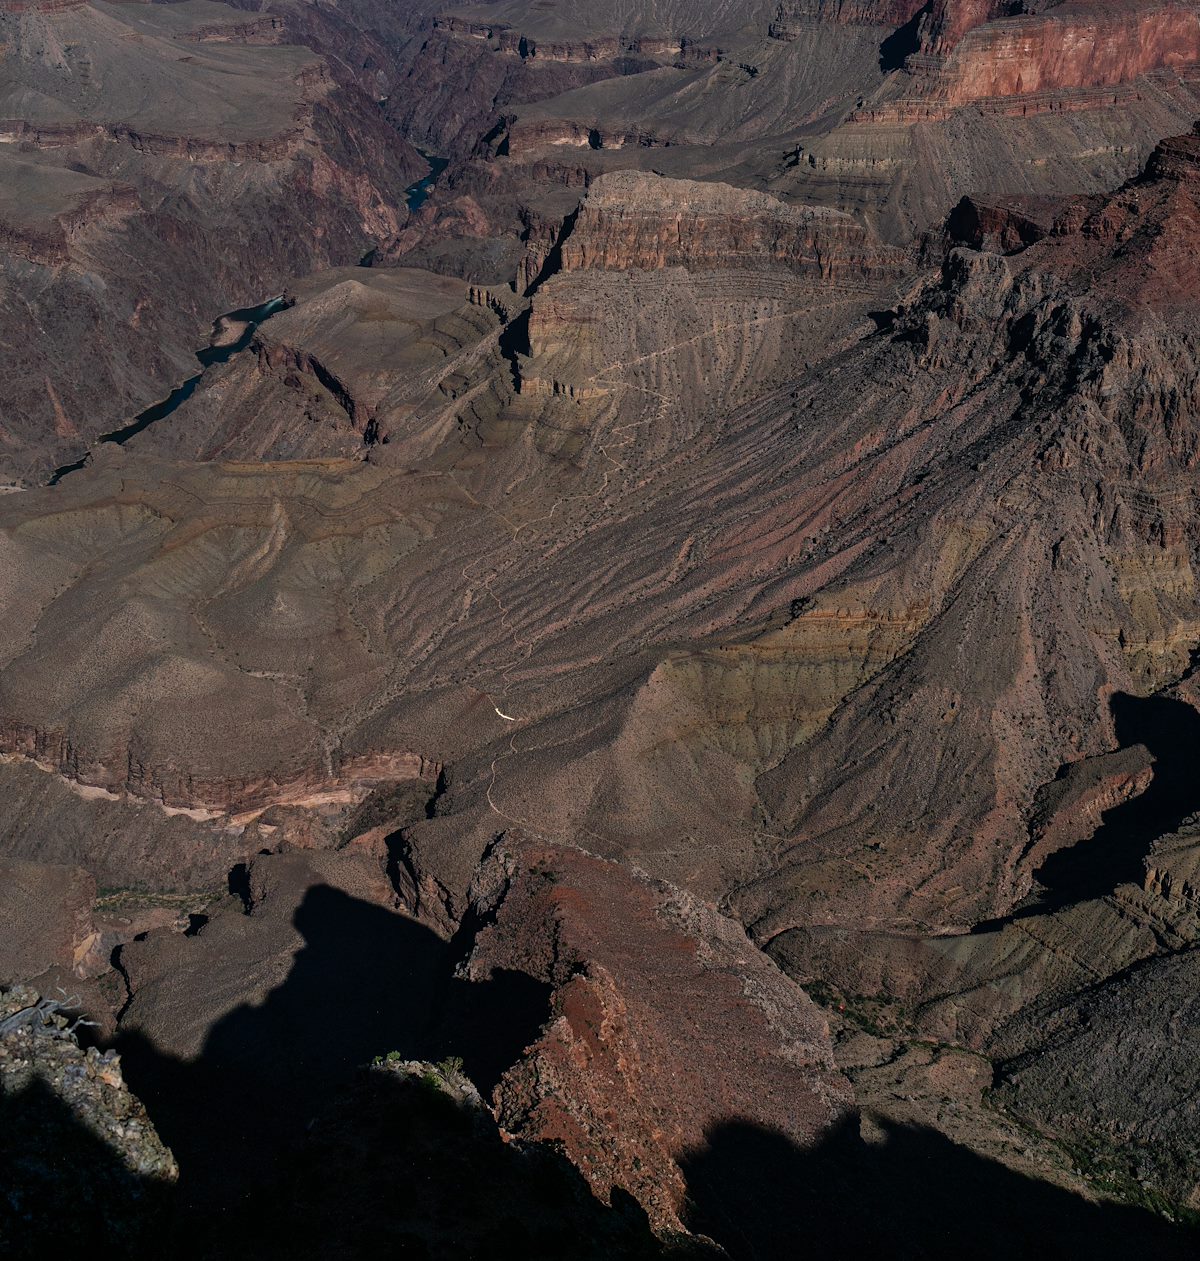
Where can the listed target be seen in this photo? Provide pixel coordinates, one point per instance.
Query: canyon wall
(966, 55)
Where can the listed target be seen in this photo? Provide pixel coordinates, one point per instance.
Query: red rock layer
(664, 1022)
(634, 221)
(949, 20)
(967, 56)
(122, 770)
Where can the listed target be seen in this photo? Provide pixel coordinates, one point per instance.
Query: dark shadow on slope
(553, 264)
(63, 1190)
(362, 985)
(393, 1167)
(1115, 853)
(513, 343)
(914, 1196)
(366, 982)
(490, 1024)
(902, 43)
(397, 1168)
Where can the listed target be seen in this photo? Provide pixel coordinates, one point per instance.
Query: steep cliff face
(629, 221)
(792, 16)
(980, 52)
(653, 281)
(947, 21)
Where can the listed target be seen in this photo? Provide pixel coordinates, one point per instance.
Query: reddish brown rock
(980, 51)
(630, 221)
(664, 1022)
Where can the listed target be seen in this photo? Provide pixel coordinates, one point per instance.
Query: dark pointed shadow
(490, 1023)
(288, 1148)
(397, 1169)
(1115, 853)
(902, 43)
(366, 982)
(363, 984)
(915, 1195)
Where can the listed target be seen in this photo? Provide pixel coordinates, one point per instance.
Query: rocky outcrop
(528, 137)
(83, 1164)
(49, 244)
(1002, 227)
(268, 29)
(720, 271)
(506, 39)
(312, 383)
(792, 16)
(501, 37)
(1099, 304)
(947, 21)
(632, 221)
(478, 1188)
(636, 1065)
(460, 85)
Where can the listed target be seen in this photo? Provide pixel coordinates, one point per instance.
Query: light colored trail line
(525, 646)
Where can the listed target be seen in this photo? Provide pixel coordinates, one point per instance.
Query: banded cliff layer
(980, 52)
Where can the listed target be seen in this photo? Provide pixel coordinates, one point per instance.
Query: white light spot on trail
(506, 717)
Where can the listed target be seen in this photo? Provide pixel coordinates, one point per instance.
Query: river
(251, 317)
(415, 195)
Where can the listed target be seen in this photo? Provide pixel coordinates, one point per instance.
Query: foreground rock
(410, 1159)
(591, 1000)
(663, 1022)
(81, 1164)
